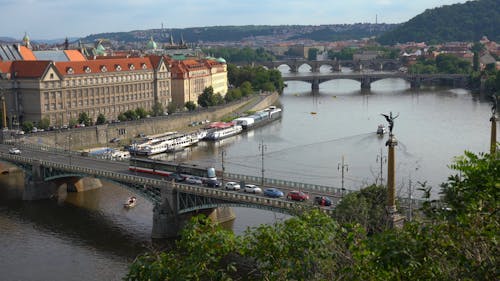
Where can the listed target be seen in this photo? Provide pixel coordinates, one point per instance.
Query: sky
(52, 19)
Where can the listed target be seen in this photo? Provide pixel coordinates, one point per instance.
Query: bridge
(47, 169)
(335, 65)
(416, 80)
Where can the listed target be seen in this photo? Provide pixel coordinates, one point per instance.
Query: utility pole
(493, 120)
(410, 211)
(381, 158)
(262, 148)
(4, 110)
(223, 153)
(343, 166)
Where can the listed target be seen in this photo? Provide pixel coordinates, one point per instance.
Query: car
(15, 151)
(193, 180)
(297, 196)
(273, 192)
(213, 183)
(176, 177)
(252, 188)
(34, 130)
(232, 185)
(115, 140)
(323, 200)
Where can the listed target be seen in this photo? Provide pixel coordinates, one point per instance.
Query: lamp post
(4, 109)
(262, 148)
(69, 147)
(342, 166)
(493, 120)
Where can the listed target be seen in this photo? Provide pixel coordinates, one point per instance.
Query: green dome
(221, 60)
(26, 38)
(100, 50)
(151, 44)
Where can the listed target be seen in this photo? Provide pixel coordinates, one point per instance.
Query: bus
(166, 168)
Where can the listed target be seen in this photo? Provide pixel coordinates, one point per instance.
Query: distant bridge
(335, 65)
(366, 79)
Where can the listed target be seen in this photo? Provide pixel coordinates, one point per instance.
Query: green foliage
(141, 113)
(233, 94)
(456, 241)
(344, 54)
(366, 208)
(444, 63)
(131, 115)
(122, 117)
(27, 126)
(101, 119)
(312, 54)
(198, 255)
(190, 105)
(245, 54)
(459, 22)
(44, 123)
(256, 76)
(83, 118)
(171, 108)
(72, 122)
(157, 109)
(205, 99)
(246, 89)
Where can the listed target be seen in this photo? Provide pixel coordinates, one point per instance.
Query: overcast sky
(50, 19)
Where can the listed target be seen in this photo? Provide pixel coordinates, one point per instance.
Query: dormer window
(118, 67)
(70, 70)
(87, 69)
(144, 66)
(131, 66)
(103, 68)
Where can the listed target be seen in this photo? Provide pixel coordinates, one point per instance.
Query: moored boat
(221, 130)
(259, 118)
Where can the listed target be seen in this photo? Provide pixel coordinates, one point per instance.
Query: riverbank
(122, 133)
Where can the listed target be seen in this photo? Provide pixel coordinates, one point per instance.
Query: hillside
(250, 32)
(459, 22)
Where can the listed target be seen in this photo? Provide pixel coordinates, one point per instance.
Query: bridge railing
(337, 192)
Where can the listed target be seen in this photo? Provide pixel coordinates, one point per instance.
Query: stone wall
(101, 135)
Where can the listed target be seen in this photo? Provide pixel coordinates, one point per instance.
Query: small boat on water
(221, 130)
(130, 203)
(381, 130)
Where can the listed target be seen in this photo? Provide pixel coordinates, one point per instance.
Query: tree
(312, 54)
(141, 113)
(246, 89)
(72, 122)
(217, 99)
(101, 119)
(44, 123)
(131, 115)
(157, 109)
(27, 126)
(122, 117)
(171, 108)
(83, 118)
(190, 105)
(205, 99)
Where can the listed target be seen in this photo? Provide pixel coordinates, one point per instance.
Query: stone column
(493, 141)
(166, 222)
(394, 219)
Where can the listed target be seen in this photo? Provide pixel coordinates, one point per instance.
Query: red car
(297, 196)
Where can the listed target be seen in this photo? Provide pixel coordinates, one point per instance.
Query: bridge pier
(315, 84)
(415, 83)
(365, 83)
(35, 188)
(166, 222)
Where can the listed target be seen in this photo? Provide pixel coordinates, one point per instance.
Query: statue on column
(390, 119)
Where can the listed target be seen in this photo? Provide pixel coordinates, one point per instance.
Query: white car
(252, 188)
(232, 185)
(193, 180)
(15, 151)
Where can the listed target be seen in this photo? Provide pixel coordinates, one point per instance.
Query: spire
(26, 40)
(171, 39)
(66, 44)
(182, 40)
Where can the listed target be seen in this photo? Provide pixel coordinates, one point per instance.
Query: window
(70, 70)
(118, 67)
(87, 69)
(103, 69)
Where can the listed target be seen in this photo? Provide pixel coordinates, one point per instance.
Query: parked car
(115, 140)
(297, 196)
(273, 192)
(15, 151)
(213, 183)
(252, 188)
(323, 200)
(193, 180)
(232, 185)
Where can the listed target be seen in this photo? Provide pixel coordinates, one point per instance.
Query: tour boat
(182, 142)
(221, 130)
(381, 130)
(130, 203)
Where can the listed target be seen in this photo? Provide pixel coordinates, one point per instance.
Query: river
(90, 236)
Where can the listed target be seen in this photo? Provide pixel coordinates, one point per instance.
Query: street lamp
(69, 147)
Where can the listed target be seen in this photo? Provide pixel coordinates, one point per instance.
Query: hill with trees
(459, 22)
(249, 32)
